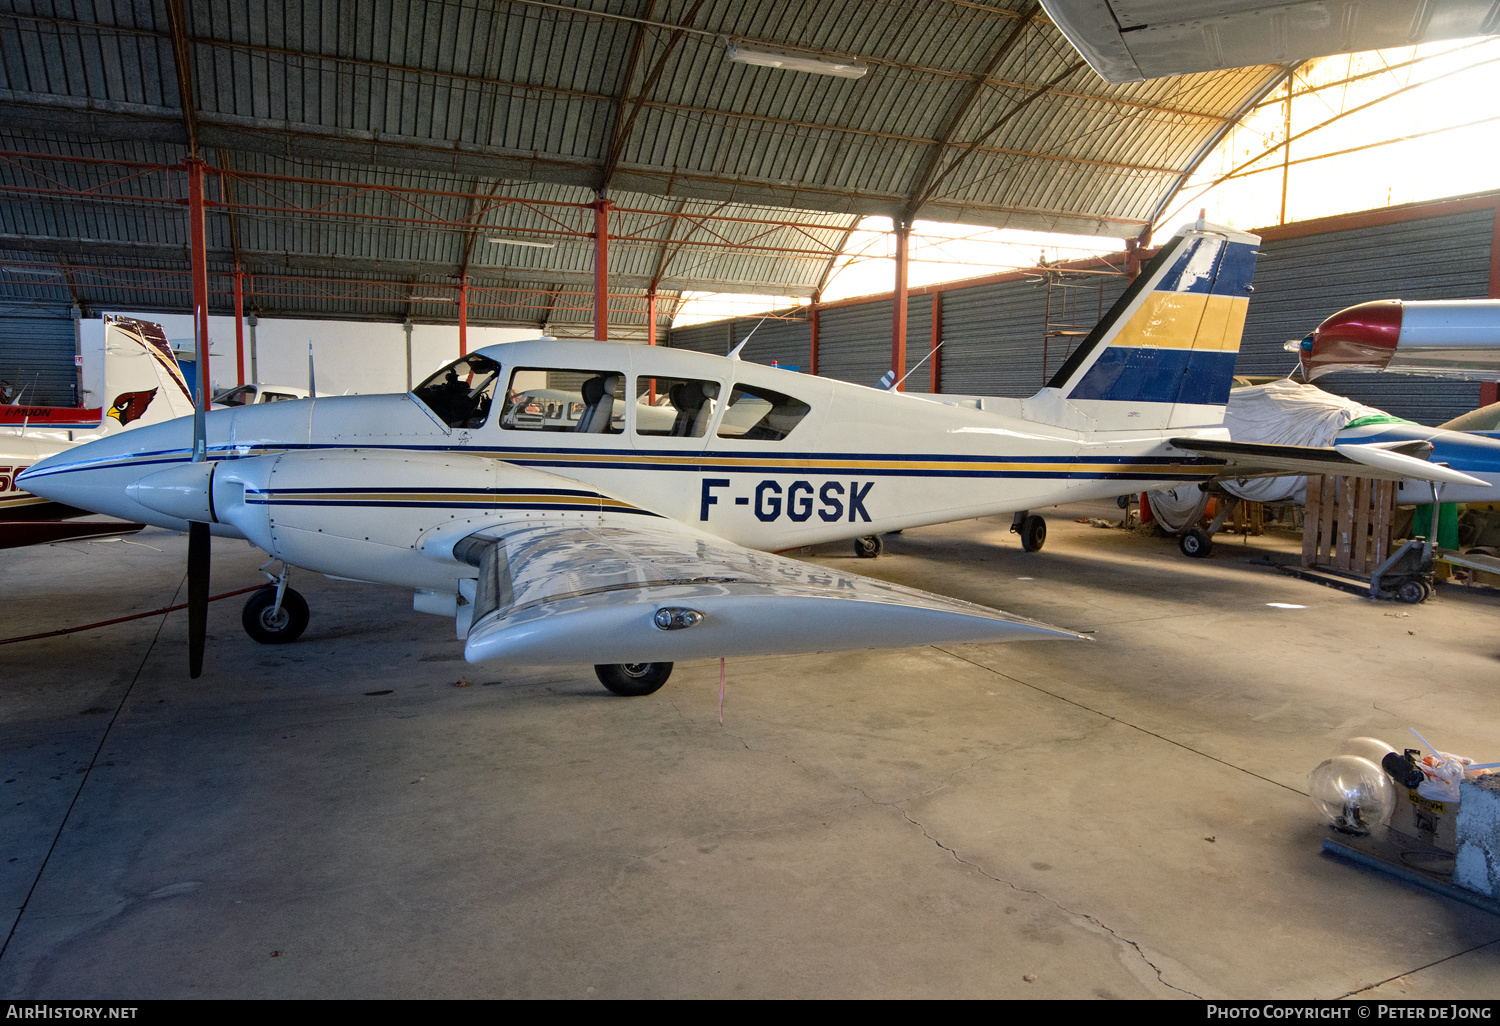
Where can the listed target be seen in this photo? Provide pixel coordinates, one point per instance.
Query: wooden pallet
(1347, 523)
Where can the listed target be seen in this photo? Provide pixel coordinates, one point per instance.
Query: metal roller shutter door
(784, 343)
(36, 357)
(854, 342)
(701, 338)
(993, 338)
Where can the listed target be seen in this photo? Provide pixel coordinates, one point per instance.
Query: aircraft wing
(1400, 461)
(662, 592)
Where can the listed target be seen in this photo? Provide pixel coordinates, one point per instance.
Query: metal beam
(196, 243)
(625, 120)
(601, 269)
(270, 264)
(963, 108)
(133, 122)
(182, 64)
(898, 307)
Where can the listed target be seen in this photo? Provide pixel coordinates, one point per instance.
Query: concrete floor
(1119, 819)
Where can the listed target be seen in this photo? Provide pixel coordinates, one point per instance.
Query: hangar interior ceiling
(362, 157)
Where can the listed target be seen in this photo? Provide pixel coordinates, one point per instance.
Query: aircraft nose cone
(1363, 336)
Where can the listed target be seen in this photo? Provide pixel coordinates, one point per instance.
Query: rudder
(1165, 353)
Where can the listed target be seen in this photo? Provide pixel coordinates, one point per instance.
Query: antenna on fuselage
(734, 354)
(312, 381)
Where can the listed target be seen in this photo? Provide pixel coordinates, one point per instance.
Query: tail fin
(142, 382)
(1163, 357)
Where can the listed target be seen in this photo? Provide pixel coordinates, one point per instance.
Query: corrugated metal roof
(453, 121)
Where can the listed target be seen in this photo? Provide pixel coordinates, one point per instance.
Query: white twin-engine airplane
(582, 502)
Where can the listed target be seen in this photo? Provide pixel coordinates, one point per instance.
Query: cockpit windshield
(461, 393)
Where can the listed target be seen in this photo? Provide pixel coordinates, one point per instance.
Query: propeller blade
(197, 596)
(197, 530)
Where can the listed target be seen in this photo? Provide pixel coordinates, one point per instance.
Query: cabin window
(276, 397)
(675, 407)
(589, 402)
(460, 394)
(242, 396)
(760, 414)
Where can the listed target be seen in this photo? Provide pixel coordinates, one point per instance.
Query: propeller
(198, 545)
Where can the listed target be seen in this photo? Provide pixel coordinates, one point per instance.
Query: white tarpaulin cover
(1280, 413)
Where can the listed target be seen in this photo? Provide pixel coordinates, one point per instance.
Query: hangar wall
(37, 347)
(993, 328)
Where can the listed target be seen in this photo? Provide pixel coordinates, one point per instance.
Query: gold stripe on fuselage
(441, 498)
(21, 499)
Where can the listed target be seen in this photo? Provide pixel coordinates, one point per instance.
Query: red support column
(898, 320)
(601, 268)
(1494, 290)
(812, 356)
(239, 324)
(1488, 390)
(937, 340)
(463, 318)
(651, 317)
(199, 254)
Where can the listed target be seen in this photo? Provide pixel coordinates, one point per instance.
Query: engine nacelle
(378, 515)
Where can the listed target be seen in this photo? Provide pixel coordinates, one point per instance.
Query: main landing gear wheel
(633, 679)
(1196, 544)
(270, 626)
(1033, 533)
(867, 547)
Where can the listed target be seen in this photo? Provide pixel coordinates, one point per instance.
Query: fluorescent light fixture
(795, 60)
(31, 270)
(431, 299)
(499, 240)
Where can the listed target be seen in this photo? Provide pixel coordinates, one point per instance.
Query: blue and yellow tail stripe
(1181, 342)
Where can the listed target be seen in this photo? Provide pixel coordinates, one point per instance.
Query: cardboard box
(1432, 822)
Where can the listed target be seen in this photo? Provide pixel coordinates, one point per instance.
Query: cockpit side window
(241, 396)
(541, 399)
(760, 414)
(461, 393)
(676, 407)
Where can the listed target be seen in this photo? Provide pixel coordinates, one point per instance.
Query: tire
(1195, 544)
(1412, 590)
(632, 680)
(867, 547)
(1033, 533)
(281, 629)
(1123, 501)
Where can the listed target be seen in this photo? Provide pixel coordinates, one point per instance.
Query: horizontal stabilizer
(1401, 462)
(1407, 466)
(560, 593)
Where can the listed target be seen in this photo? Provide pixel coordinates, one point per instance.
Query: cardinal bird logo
(131, 406)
